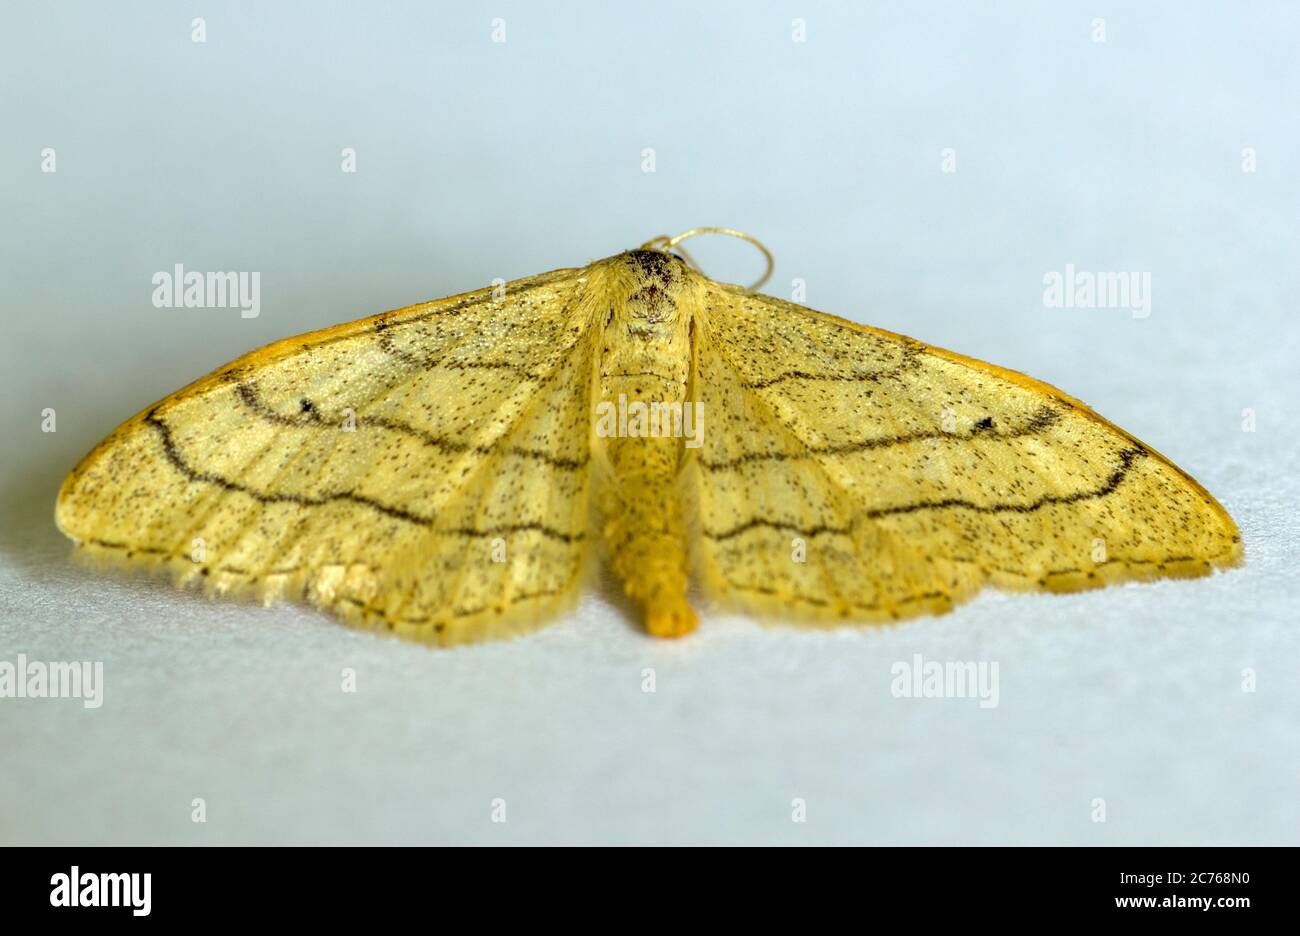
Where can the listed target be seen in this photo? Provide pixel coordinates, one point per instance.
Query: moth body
(644, 372)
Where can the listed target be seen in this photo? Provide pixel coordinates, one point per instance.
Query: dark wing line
(514, 599)
(172, 451)
(1044, 418)
(1127, 458)
(910, 360)
(206, 569)
(383, 329)
(386, 320)
(248, 395)
(429, 364)
(457, 612)
(823, 602)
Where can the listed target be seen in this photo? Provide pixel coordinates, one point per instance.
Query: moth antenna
(665, 243)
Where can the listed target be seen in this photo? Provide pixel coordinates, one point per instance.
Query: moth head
(656, 266)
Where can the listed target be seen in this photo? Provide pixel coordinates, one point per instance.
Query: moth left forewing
(422, 472)
(853, 473)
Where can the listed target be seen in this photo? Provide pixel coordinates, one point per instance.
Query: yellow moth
(453, 470)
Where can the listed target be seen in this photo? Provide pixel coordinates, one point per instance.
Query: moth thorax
(650, 308)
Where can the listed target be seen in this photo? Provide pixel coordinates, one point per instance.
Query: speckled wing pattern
(424, 471)
(848, 472)
(439, 471)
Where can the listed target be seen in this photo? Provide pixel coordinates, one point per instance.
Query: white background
(479, 159)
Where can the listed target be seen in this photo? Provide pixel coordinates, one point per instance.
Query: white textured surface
(480, 160)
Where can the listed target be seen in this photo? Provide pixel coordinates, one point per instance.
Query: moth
(455, 470)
